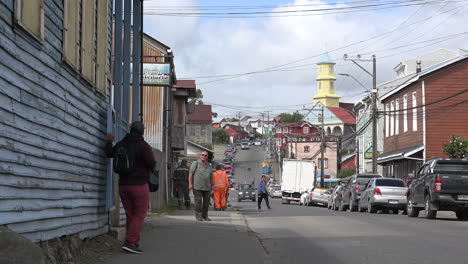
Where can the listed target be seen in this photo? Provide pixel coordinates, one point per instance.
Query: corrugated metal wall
(153, 105)
(52, 133)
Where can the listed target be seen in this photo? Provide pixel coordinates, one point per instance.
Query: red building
(299, 131)
(422, 114)
(236, 133)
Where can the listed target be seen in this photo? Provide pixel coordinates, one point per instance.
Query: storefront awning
(405, 153)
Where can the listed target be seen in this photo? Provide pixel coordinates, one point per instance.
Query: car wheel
(410, 210)
(359, 208)
(342, 207)
(253, 200)
(462, 214)
(352, 204)
(430, 213)
(371, 209)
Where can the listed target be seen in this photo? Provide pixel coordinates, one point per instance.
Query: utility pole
(373, 95)
(374, 116)
(322, 149)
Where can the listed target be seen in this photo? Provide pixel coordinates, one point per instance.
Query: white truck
(296, 177)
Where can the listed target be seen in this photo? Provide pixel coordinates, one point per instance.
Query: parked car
(440, 185)
(383, 194)
(275, 191)
(258, 143)
(227, 161)
(335, 197)
(228, 173)
(228, 168)
(305, 196)
(272, 186)
(319, 196)
(352, 191)
(246, 192)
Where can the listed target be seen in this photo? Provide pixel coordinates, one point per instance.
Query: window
(278, 130)
(405, 113)
(361, 113)
(85, 40)
(330, 68)
(306, 130)
(306, 149)
(325, 163)
(392, 118)
(332, 86)
(320, 117)
(203, 130)
(30, 16)
(71, 29)
(397, 116)
(319, 85)
(285, 130)
(387, 118)
(415, 113)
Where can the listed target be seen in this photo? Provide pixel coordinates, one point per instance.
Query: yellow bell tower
(326, 83)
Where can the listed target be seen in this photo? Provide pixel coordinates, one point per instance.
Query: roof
(343, 114)
(347, 157)
(400, 153)
(347, 106)
(425, 72)
(188, 84)
(199, 146)
(201, 113)
(293, 124)
(325, 59)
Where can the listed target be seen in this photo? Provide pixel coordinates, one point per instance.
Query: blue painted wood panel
(52, 133)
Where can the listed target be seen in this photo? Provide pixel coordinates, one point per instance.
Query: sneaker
(206, 219)
(199, 219)
(132, 249)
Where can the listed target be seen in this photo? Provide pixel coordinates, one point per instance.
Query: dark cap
(137, 127)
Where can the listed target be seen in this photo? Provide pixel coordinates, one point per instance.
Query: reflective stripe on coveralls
(220, 186)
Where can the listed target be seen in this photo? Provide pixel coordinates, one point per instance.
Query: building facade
(310, 150)
(54, 97)
(422, 114)
(199, 127)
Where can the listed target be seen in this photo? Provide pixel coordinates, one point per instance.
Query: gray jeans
(202, 202)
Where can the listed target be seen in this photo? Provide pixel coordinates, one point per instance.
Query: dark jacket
(144, 160)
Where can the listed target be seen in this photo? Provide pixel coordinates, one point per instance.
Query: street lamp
(348, 75)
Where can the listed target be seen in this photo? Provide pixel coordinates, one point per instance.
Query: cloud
(207, 47)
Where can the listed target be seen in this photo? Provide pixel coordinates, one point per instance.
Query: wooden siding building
(422, 114)
(54, 93)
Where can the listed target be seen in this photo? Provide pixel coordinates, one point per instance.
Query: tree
(294, 117)
(199, 96)
(215, 115)
(457, 147)
(220, 136)
(345, 173)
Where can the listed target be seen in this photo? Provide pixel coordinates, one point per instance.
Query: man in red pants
(133, 159)
(220, 185)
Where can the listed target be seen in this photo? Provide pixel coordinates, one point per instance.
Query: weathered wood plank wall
(52, 132)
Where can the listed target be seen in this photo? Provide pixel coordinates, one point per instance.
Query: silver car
(332, 200)
(319, 196)
(383, 194)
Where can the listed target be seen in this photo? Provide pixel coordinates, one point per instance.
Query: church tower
(326, 83)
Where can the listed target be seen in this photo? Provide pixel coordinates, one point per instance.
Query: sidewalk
(178, 238)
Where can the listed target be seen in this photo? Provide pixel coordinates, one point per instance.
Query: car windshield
(276, 188)
(246, 186)
(363, 181)
(450, 167)
(390, 182)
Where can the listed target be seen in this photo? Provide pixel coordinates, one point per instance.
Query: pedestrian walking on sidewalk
(263, 193)
(181, 184)
(133, 160)
(220, 184)
(200, 182)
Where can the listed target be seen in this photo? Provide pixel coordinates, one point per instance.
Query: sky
(285, 49)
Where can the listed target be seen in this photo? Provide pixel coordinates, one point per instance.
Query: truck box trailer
(296, 177)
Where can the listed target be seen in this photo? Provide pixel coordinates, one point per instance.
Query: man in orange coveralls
(220, 187)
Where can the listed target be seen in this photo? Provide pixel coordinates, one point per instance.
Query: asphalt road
(298, 234)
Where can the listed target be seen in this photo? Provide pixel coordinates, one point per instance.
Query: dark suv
(351, 192)
(246, 192)
(440, 185)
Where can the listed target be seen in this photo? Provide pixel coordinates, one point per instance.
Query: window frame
(306, 149)
(305, 130)
(415, 111)
(405, 113)
(19, 20)
(397, 116)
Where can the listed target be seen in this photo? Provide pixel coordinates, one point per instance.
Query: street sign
(157, 74)
(368, 153)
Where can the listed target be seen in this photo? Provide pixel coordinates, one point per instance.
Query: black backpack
(124, 157)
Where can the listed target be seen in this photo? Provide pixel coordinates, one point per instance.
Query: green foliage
(220, 136)
(457, 148)
(294, 117)
(207, 145)
(345, 173)
(215, 115)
